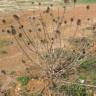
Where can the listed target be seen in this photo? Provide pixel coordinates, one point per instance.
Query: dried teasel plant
(44, 44)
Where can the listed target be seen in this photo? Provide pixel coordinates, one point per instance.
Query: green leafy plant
(74, 90)
(23, 80)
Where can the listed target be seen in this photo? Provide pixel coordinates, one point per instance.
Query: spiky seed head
(13, 30)
(51, 5)
(65, 22)
(75, 1)
(28, 43)
(33, 2)
(52, 38)
(20, 35)
(30, 17)
(57, 31)
(3, 71)
(54, 20)
(16, 17)
(79, 22)
(23, 61)
(60, 23)
(83, 51)
(8, 31)
(94, 27)
(42, 41)
(21, 26)
(3, 21)
(64, 7)
(30, 30)
(88, 19)
(39, 29)
(87, 7)
(34, 18)
(48, 10)
(51, 14)
(3, 30)
(71, 19)
(39, 3)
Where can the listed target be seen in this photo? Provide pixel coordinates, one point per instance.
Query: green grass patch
(75, 90)
(86, 1)
(89, 64)
(23, 80)
(88, 70)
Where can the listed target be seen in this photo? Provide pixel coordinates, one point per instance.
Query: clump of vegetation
(85, 42)
(75, 90)
(86, 1)
(60, 62)
(23, 80)
(89, 64)
(12, 72)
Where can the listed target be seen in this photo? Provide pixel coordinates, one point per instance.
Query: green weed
(23, 80)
